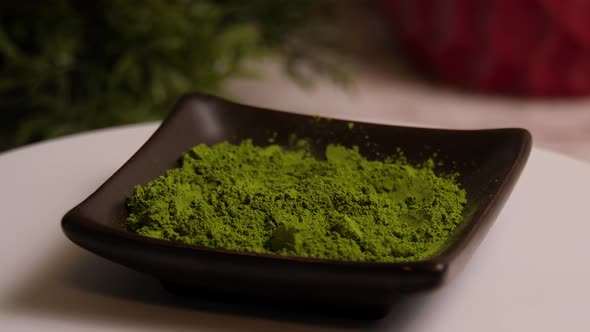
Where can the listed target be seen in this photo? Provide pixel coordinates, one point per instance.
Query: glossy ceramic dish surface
(489, 161)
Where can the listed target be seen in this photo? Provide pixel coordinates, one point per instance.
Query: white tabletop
(531, 273)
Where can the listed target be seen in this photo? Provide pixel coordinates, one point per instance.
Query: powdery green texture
(271, 200)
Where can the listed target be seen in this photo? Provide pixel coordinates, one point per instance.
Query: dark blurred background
(68, 66)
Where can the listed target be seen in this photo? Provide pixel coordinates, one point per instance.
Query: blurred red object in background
(519, 47)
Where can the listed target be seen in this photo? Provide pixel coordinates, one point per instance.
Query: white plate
(531, 272)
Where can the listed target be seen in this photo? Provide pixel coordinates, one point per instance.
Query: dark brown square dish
(489, 161)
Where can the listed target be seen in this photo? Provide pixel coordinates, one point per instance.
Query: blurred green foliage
(68, 66)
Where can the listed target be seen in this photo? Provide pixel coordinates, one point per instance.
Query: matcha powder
(277, 201)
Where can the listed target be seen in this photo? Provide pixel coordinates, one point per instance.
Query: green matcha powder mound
(278, 201)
